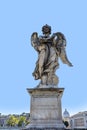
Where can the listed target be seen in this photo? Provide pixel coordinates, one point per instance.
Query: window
(79, 122)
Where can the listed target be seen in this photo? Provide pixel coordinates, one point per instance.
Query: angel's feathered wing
(60, 45)
(34, 40)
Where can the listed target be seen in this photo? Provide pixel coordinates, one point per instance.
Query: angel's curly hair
(46, 29)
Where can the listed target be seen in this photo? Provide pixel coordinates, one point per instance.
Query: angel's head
(46, 29)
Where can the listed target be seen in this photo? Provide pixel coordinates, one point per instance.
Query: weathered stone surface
(50, 48)
(45, 110)
(44, 128)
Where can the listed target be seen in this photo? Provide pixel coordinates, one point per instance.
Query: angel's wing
(63, 57)
(60, 43)
(35, 40)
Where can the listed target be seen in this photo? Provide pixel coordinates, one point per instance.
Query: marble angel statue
(50, 49)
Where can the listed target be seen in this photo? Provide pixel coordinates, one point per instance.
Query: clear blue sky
(18, 20)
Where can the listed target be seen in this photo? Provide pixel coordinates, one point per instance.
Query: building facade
(3, 120)
(79, 120)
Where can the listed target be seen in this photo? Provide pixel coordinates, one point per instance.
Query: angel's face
(46, 30)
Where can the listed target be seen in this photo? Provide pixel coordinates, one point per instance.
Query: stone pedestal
(45, 109)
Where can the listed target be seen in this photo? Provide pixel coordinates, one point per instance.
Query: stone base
(45, 110)
(44, 128)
